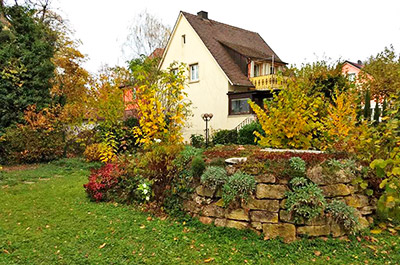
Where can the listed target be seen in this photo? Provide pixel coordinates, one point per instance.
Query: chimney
(202, 14)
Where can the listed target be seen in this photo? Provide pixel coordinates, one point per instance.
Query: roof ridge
(235, 27)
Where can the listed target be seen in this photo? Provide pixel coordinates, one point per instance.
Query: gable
(191, 52)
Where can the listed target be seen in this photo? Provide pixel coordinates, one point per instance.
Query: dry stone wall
(265, 211)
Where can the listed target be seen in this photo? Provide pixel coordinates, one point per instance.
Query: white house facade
(227, 66)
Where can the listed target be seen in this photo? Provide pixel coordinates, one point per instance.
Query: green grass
(53, 222)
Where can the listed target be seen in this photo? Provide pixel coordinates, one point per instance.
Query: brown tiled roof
(216, 35)
(359, 66)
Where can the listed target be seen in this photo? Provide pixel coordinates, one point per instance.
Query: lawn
(46, 218)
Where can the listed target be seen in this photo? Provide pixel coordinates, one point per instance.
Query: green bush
(297, 164)
(214, 177)
(246, 133)
(23, 144)
(343, 215)
(305, 201)
(225, 137)
(197, 140)
(198, 166)
(238, 187)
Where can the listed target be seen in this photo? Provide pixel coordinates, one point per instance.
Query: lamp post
(207, 117)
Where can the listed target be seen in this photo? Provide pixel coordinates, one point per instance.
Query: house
(352, 71)
(227, 66)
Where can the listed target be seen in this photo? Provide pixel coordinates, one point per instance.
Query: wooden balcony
(268, 82)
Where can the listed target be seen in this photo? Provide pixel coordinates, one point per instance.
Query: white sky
(297, 30)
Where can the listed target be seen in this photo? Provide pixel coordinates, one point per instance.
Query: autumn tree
(381, 74)
(27, 46)
(163, 107)
(146, 33)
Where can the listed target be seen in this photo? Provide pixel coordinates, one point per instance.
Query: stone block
(363, 223)
(206, 220)
(357, 201)
(337, 230)
(318, 221)
(367, 210)
(285, 231)
(213, 211)
(314, 230)
(191, 206)
(335, 190)
(318, 176)
(237, 224)
(265, 178)
(265, 191)
(204, 191)
(256, 225)
(268, 205)
(238, 214)
(220, 222)
(264, 216)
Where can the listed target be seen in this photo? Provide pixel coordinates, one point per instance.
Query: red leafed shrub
(102, 180)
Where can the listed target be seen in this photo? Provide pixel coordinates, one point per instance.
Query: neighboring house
(352, 70)
(227, 67)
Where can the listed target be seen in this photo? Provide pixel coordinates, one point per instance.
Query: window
(351, 77)
(194, 72)
(256, 70)
(239, 106)
(183, 39)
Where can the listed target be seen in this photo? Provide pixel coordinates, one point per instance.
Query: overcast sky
(297, 30)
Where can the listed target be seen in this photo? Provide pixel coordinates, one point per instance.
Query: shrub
(144, 190)
(24, 144)
(343, 215)
(238, 187)
(93, 152)
(197, 140)
(225, 137)
(214, 177)
(305, 201)
(159, 166)
(101, 181)
(246, 133)
(198, 166)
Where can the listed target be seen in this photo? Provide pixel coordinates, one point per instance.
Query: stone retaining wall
(265, 210)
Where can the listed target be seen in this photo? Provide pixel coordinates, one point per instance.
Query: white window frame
(194, 72)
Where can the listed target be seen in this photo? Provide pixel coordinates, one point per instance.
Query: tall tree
(27, 46)
(381, 74)
(146, 33)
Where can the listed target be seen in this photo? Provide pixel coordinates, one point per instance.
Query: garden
(316, 178)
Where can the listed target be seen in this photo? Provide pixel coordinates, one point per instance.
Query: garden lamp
(207, 117)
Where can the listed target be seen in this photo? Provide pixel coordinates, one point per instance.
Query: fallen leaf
(6, 251)
(149, 218)
(102, 246)
(376, 231)
(208, 260)
(317, 253)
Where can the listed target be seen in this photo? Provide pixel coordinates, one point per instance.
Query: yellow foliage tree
(290, 119)
(163, 107)
(341, 122)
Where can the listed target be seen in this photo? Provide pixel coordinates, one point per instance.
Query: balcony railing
(267, 82)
